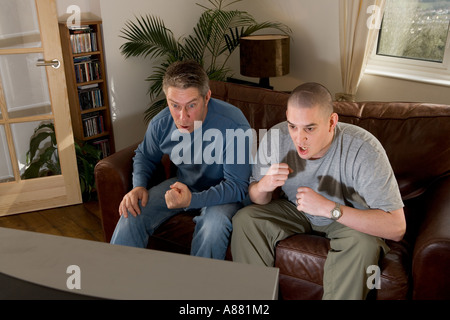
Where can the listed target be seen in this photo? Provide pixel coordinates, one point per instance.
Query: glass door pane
(36, 149)
(25, 85)
(19, 28)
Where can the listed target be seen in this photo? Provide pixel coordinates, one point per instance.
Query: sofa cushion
(301, 259)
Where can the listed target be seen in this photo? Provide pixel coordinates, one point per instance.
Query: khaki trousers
(258, 228)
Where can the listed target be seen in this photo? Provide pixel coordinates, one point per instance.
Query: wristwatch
(336, 213)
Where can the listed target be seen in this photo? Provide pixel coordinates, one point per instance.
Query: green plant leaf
(32, 171)
(35, 143)
(41, 133)
(148, 36)
(44, 165)
(154, 109)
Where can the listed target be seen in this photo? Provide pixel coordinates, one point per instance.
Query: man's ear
(208, 96)
(333, 120)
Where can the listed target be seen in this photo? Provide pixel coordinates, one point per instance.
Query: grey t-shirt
(354, 172)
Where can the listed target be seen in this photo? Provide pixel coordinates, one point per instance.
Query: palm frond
(148, 36)
(266, 25)
(156, 78)
(219, 73)
(195, 45)
(218, 4)
(154, 109)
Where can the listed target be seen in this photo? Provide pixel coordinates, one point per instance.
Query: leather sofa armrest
(113, 177)
(431, 257)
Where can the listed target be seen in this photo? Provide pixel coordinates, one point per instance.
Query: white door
(38, 167)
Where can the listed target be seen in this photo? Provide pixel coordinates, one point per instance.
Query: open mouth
(303, 150)
(184, 128)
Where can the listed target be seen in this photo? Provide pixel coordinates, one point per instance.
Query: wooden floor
(79, 221)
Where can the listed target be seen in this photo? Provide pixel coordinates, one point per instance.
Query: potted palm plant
(214, 38)
(42, 159)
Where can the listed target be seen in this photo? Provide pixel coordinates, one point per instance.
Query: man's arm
(147, 155)
(388, 225)
(260, 192)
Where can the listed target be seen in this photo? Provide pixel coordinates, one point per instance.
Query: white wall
(314, 55)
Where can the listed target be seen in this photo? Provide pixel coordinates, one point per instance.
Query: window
(413, 41)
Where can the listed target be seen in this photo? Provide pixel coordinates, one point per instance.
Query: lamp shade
(264, 56)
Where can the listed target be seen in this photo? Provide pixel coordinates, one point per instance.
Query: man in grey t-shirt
(336, 179)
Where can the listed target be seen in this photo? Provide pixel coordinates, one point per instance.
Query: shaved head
(311, 94)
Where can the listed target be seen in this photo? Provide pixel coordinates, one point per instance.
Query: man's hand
(376, 222)
(130, 202)
(275, 177)
(261, 192)
(179, 196)
(313, 203)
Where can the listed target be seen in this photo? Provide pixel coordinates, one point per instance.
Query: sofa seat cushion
(301, 259)
(174, 235)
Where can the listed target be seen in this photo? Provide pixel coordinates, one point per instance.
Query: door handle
(44, 63)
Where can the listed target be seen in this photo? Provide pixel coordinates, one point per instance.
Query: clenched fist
(179, 196)
(313, 203)
(275, 177)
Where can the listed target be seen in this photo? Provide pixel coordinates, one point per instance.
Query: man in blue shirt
(202, 136)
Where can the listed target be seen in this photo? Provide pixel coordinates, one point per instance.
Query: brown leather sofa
(416, 137)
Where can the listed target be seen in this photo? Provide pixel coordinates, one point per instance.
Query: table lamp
(264, 56)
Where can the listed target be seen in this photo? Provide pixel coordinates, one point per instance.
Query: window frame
(431, 72)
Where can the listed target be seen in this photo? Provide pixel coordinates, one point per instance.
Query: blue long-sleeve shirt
(213, 161)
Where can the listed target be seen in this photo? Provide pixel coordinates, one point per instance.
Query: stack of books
(86, 69)
(83, 39)
(93, 124)
(90, 96)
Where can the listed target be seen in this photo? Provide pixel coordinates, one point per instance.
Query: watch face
(336, 213)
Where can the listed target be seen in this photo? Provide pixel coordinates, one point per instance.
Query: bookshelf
(86, 84)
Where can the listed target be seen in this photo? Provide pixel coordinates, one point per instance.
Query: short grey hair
(186, 74)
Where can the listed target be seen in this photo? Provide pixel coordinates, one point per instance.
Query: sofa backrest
(416, 136)
(263, 108)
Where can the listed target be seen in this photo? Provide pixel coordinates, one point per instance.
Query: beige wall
(91, 6)
(389, 89)
(314, 54)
